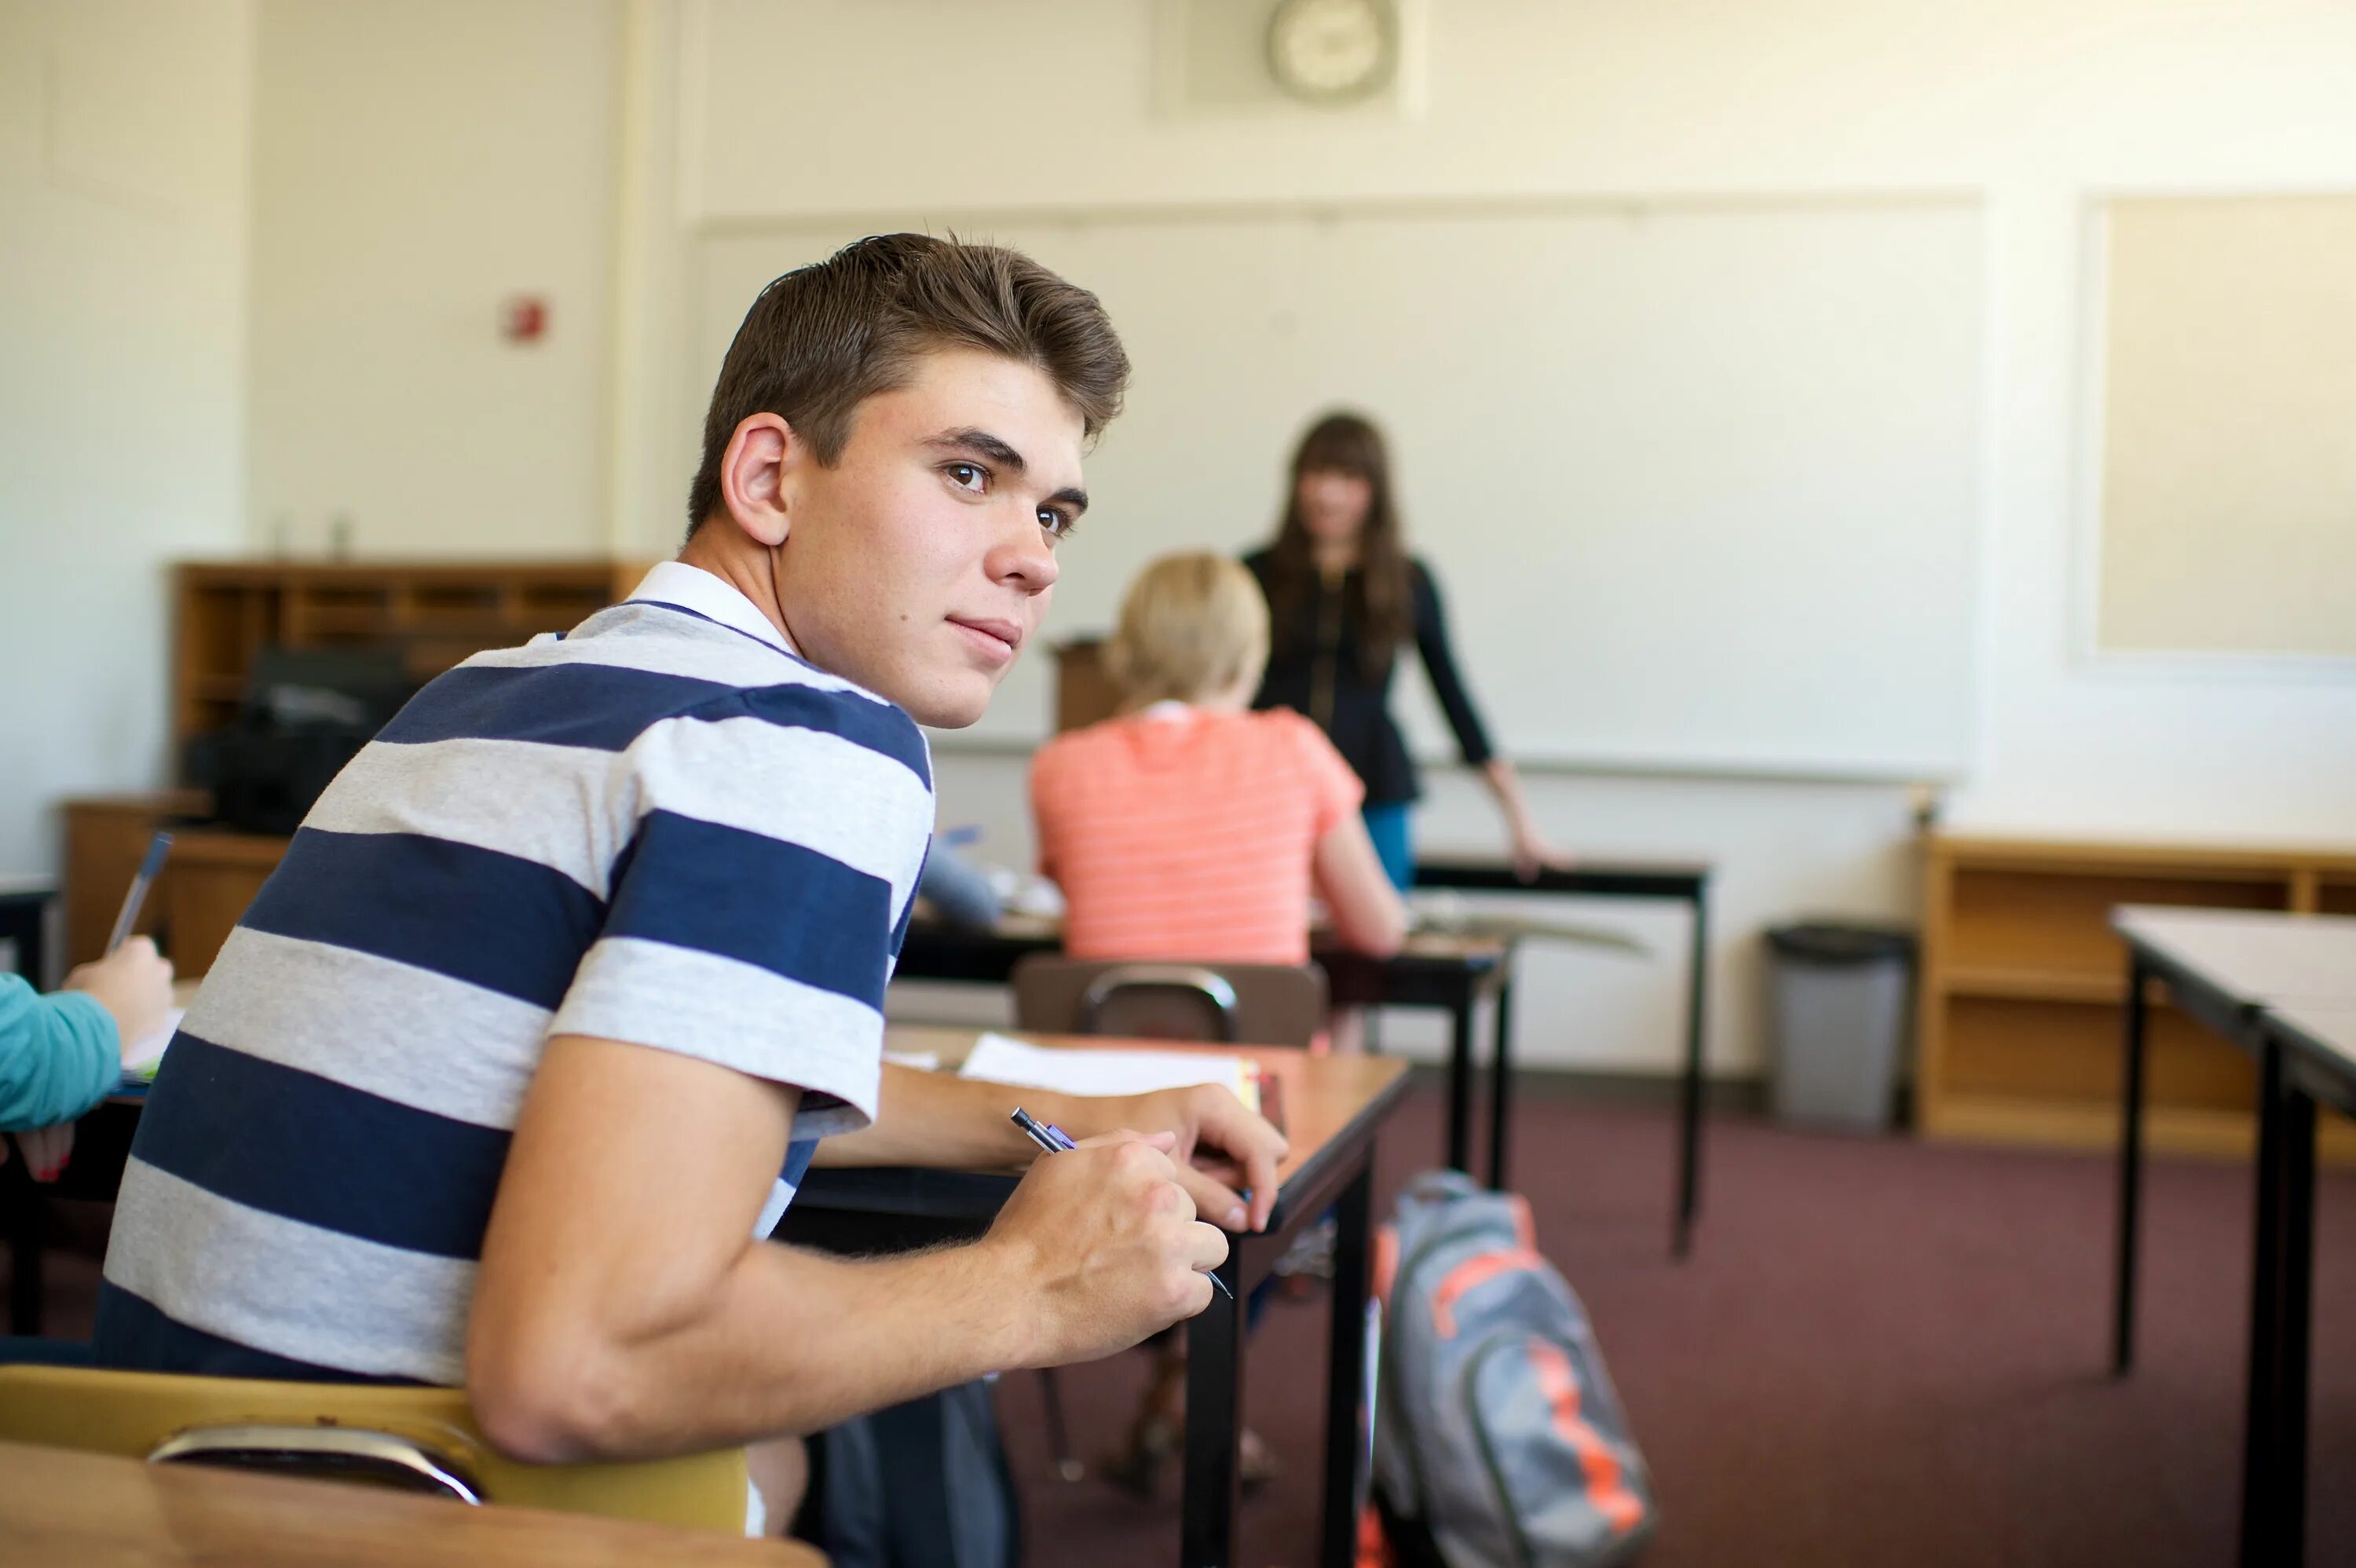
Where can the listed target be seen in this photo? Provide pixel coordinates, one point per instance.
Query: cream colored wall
(732, 111)
(414, 166)
(2038, 106)
(124, 149)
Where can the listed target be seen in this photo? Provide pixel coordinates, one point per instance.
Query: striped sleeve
(755, 907)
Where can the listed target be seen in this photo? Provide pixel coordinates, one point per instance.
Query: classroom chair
(414, 1439)
(1261, 1004)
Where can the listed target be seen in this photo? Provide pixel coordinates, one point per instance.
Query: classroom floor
(1881, 1352)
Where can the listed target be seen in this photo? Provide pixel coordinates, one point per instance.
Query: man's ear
(753, 472)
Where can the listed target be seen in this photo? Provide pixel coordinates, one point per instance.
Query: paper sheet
(1001, 1060)
(147, 1054)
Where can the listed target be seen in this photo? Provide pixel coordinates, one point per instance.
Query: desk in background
(62, 1509)
(2282, 987)
(1450, 973)
(1684, 881)
(1333, 1107)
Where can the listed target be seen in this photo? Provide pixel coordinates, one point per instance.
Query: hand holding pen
(1054, 1139)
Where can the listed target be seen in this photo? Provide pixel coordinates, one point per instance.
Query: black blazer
(1313, 668)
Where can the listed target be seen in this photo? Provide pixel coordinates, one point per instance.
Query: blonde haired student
(1188, 825)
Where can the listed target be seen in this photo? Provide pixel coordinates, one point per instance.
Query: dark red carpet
(1881, 1352)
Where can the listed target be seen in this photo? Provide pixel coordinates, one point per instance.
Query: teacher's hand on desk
(1222, 1150)
(1105, 1247)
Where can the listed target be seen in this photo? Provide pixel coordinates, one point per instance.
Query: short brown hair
(1192, 627)
(824, 338)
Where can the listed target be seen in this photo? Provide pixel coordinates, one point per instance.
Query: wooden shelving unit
(2022, 986)
(436, 612)
(224, 612)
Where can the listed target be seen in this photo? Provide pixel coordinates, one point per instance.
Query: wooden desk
(106, 836)
(60, 1509)
(207, 882)
(1332, 1106)
(215, 875)
(2282, 987)
(1449, 973)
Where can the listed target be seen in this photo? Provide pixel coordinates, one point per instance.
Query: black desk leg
(1460, 1087)
(1215, 1419)
(26, 1219)
(1501, 1083)
(2297, 1310)
(2123, 1286)
(1689, 1119)
(1345, 1371)
(2261, 1481)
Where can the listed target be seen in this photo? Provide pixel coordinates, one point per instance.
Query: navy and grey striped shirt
(662, 828)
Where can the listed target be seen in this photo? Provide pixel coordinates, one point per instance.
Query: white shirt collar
(692, 589)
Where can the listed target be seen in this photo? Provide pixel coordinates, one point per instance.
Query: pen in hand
(1056, 1140)
(150, 866)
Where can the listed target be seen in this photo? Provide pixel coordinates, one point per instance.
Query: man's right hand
(1106, 1241)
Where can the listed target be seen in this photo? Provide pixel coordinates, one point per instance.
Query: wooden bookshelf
(224, 612)
(435, 612)
(2022, 986)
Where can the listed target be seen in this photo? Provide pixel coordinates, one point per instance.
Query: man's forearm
(941, 1120)
(790, 1341)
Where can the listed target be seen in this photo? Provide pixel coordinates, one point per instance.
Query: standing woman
(1344, 597)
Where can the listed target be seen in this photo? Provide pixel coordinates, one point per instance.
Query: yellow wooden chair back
(363, 1431)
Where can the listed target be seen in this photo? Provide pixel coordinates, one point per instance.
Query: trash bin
(1839, 1015)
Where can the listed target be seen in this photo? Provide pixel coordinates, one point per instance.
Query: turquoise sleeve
(59, 1055)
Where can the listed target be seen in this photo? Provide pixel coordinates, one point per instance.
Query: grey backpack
(921, 1484)
(1496, 1430)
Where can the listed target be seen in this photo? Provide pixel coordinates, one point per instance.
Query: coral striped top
(1185, 833)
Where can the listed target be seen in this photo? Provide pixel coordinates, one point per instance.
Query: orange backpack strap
(1607, 1485)
(1470, 1274)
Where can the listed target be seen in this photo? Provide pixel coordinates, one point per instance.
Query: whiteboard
(1698, 481)
(2229, 427)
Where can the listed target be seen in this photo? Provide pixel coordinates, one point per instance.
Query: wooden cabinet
(1085, 694)
(105, 837)
(435, 612)
(2022, 983)
(224, 612)
(214, 877)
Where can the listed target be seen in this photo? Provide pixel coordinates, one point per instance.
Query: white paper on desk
(1121, 1071)
(916, 1060)
(145, 1055)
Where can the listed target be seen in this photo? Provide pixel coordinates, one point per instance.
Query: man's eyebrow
(982, 443)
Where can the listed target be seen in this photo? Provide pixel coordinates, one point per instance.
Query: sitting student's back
(1191, 827)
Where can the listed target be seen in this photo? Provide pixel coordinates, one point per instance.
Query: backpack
(920, 1485)
(1499, 1442)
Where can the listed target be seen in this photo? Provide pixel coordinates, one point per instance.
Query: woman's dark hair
(1342, 442)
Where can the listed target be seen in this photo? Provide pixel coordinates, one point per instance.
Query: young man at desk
(496, 1080)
